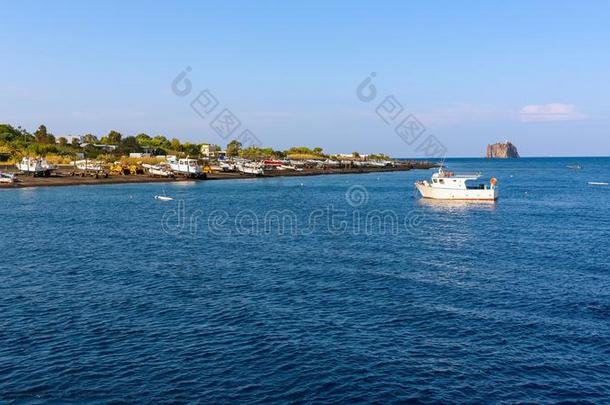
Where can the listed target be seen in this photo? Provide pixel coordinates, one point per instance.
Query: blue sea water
(342, 288)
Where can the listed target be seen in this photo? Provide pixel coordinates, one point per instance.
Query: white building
(209, 150)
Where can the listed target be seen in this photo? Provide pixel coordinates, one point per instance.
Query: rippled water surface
(107, 294)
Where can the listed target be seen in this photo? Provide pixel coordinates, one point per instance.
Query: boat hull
(436, 193)
(160, 172)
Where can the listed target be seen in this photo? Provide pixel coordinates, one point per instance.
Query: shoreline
(62, 178)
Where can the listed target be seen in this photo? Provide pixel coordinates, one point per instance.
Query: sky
(466, 73)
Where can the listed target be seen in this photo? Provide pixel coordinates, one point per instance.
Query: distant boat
(597, 183)
(163, 197)
(574, 167)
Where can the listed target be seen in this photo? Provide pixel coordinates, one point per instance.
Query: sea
(320, 289)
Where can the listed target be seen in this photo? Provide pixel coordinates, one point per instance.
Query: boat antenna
(442, 162)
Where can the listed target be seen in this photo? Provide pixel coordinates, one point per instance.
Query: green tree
(90, 139)
(257, 153)
(191, 149)
(143, 139)
(128, 145)
(305, 152)
(233, 148)
(379, 156)
(160, 141)
(175, 145)
(41, 134)
(91, 151)
(9, 134)
(114, 138)
(62, 141)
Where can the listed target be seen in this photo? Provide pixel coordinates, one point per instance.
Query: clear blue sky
(536, 73)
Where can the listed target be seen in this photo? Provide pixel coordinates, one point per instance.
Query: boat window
(441, 181)
(436, 181)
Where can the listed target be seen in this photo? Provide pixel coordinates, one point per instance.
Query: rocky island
(502, 150)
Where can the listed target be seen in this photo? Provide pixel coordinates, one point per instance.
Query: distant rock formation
(502, 150)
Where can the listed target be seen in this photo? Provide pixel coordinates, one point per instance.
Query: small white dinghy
(164, 197)
(597, 183)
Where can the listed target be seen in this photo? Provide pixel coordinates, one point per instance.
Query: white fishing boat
(7, 178)
(297, 163)
(287, 165)
(314, 163)
(35, 166)
(290, 167)
(271, 164)
(158, 170)
(331, 163)
(278, 165)
(185, 167)
(253, 168)
(89, 165)
(226, 166)
(446, 185)
(597, 183)
(574, 167)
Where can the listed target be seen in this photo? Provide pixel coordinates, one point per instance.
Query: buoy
(493, 181)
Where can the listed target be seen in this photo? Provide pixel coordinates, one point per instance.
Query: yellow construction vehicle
(126, 169)
(207, 169)
(119, 169)
(136, 169)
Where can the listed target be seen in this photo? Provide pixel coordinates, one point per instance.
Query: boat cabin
(461, 181)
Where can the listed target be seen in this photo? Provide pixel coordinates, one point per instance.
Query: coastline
(62, 178)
